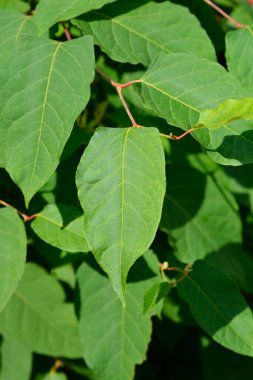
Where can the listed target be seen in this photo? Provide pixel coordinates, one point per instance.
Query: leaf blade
(129, 40)
(113, 353)
(129, 201)
(56, 97)
(205, 289)
(13, 253)
(37, 316)
(62, 227)
(49, 12)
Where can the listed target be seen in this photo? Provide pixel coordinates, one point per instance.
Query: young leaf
(135, 32)
(55, 78)
(115, 338)
(154, 295)
(121, 184)
(49, 12)
(239, 55)
(37, 316)
(13, 253)
(218, 307)
(189, 91)
(196, 214)
(62, 227)
(16, 361)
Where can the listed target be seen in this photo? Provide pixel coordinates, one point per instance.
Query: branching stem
(118, 87)
(25, 217)
(224, 14)
(165, 267)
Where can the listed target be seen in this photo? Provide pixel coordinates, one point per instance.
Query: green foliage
(124, 252)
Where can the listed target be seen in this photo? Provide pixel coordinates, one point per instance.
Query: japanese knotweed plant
(125, 131)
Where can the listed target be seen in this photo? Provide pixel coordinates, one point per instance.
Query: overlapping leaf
(62, 227)
(49, 12)
(218, 307)
(239, 55)
(12, 26)
(15, 5)
(115, 338)
(135, 31)
(189, 91)
(121, 186)
(16, 361)
(37, 316)
(12, 253)
(230, 145)
(55, 77)
(197, 216)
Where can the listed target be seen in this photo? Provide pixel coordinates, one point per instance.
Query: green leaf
(154, 295)
(62, 227)
(58, 90)
(13, 253)
(230, 145)
(239, 55)
(114, 337)
(137, 32)
(189, 91)
(12, 27)
(37, 316)
(218, 307)
(49, 12)
(16, 361)
(197, 215)
(121, 184)
(15, 5)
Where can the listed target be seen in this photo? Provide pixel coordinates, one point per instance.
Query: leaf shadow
(219, 288)
(237, 147)
(184, 195)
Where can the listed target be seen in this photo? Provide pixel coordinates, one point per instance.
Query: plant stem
(223, 13)
(25, 217)
(173, 137)
(66, 32)
(118, 88)
(165, 267)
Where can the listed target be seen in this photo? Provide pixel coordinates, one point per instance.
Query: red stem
(223, 13)
(24, 216)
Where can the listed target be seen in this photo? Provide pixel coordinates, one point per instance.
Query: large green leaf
(16, 361)
(115, 338)
(134, 32)
(62, 227)
(197, 215)
(189, 91)
(37, 316)
(239, 55)
(44, 89)
(219, 307)
(121, 184)
(12, 254)
(49, 12)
